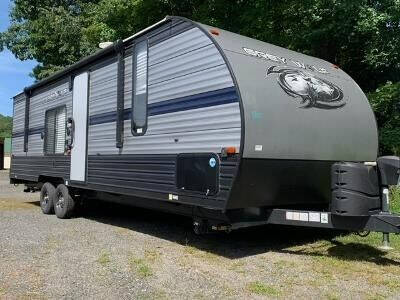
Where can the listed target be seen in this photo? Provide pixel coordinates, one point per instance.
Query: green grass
(395, 199)
(262, 289)
(104, 258)
(141, 267)
(332, 296)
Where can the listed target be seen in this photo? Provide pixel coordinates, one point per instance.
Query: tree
(49, 31)
(5, 126)
(361, 36)
(386, 103)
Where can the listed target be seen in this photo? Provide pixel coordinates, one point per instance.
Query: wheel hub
(60, 201)
(45, 199)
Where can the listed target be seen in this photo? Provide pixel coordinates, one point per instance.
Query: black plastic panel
(355, 189)
(389, 169)
(198, 172)
(281, 183)
(350, 203)
(355, 177)
(32, 167)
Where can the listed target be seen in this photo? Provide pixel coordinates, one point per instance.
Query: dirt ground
(113, 252)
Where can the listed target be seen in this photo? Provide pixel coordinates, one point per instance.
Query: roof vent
(105, 44)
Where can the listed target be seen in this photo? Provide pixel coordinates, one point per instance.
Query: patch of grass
(151, 255)
(262, 289)
(395, 199)
(392, 284)
(104, 258)
(237, 267)
(203, 254)
(376, 297)
(2, 291)
(332, 296)
(283, 264)
(140, 266)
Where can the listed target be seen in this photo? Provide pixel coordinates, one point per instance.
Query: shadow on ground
(237, 244)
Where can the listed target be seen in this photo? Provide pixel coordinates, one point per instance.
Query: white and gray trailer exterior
(196, 120)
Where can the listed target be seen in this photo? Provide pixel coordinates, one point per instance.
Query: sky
(14, 74)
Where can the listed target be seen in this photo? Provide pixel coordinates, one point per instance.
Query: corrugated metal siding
(58, 95)
(35, 145)
(103, 89)
(176, 46)
(19, 114)
(17, 145)
(164, 129)
(191, 62)
(184, 65)
(195, 141)
(153, 176)
(31, 167)
(41, 102)
(193, 83)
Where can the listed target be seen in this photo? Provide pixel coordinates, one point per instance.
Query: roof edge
(88, 59)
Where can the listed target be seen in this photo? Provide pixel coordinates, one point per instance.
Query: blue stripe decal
(37, 130)
(32, 131)
(18, 134)
(213, 98)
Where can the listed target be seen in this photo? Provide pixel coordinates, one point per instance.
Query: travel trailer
(199, 121)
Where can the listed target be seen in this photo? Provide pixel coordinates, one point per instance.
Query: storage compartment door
(79, 114)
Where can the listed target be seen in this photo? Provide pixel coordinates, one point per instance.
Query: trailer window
(139, 91)
(55, 123)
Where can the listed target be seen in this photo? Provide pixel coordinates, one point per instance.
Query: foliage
(5, 126)
(395, 199)
(49, 31)
(361, 36)
(385, 101)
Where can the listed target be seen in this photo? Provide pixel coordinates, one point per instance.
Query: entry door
(79, 115)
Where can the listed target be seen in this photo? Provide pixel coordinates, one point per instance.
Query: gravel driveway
(121, 252)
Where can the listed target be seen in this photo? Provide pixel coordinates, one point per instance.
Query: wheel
(47, 196)
(64, 204)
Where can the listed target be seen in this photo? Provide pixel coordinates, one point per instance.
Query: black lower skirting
(154, 176)
(30, 168)
(141, 176)
(255, 183)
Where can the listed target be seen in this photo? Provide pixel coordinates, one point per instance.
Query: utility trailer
(199, 121)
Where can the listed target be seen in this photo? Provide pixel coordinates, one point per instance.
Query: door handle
(70, 134)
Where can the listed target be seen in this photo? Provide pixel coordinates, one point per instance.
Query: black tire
(64, 204)
(47, 196)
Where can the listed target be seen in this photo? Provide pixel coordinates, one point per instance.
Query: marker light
(230, 150)
(214, 31)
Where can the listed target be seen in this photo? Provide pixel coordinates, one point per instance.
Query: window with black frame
(55, 130)
(139, 91)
